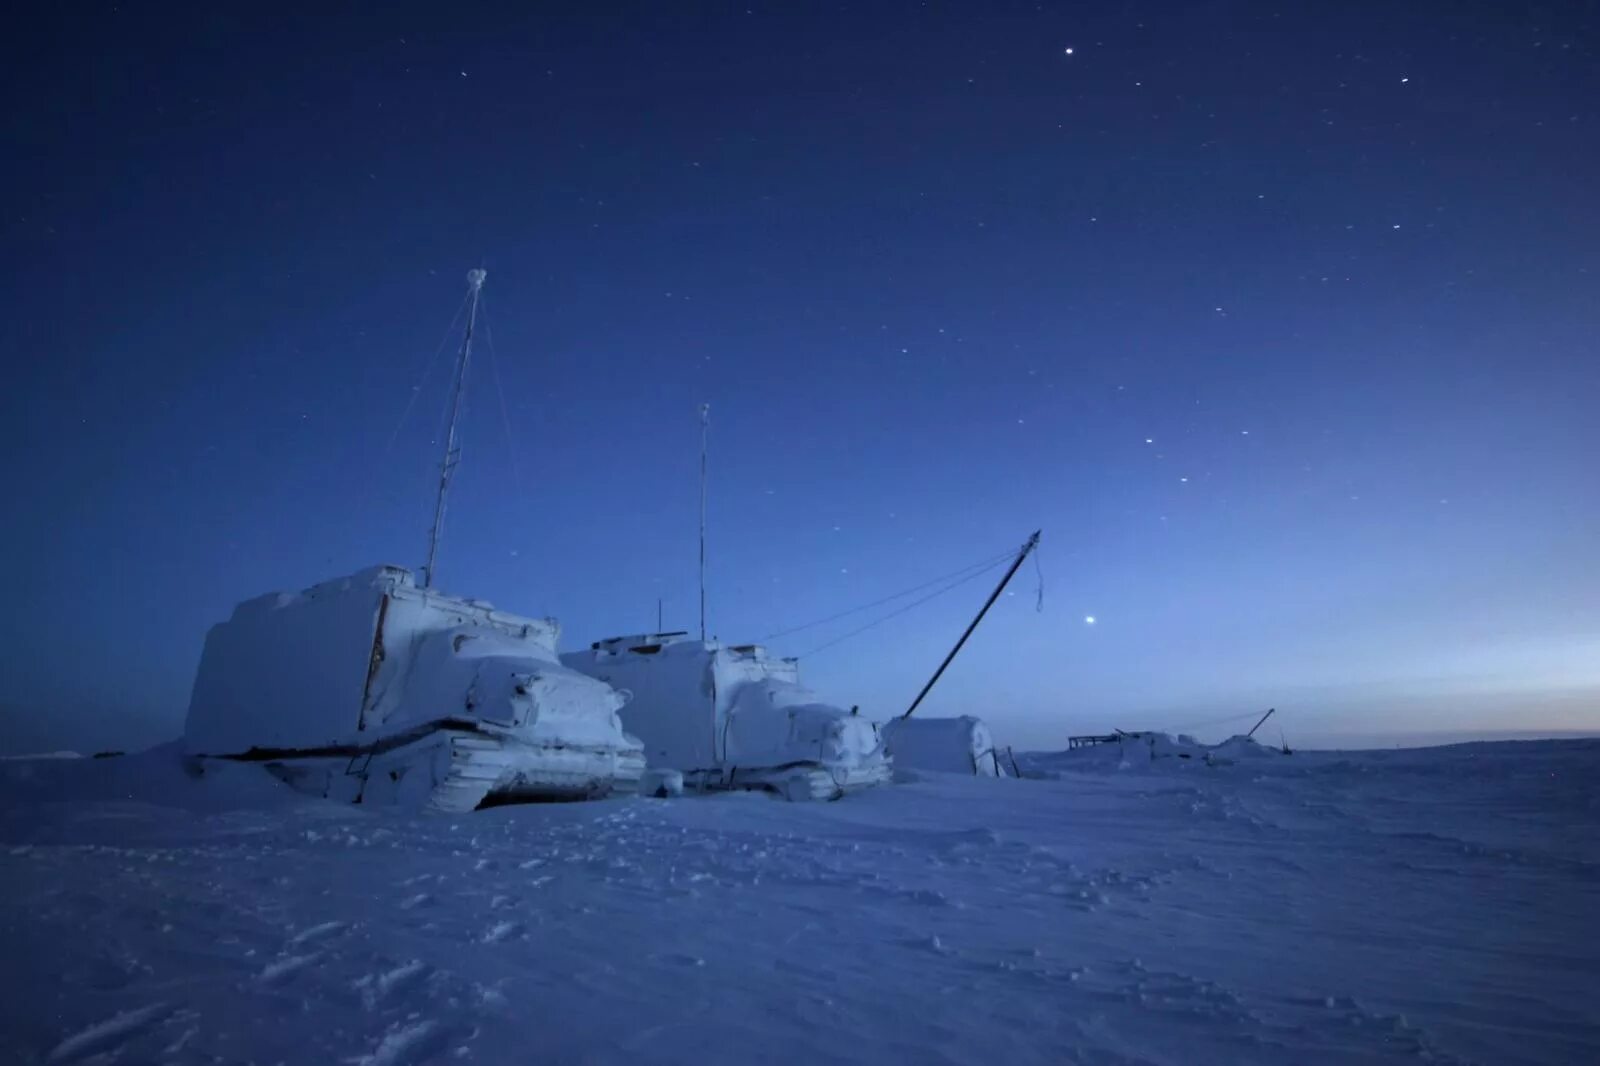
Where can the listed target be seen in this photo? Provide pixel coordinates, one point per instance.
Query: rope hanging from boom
(1033, 542)
(902, 610)
(970, 570)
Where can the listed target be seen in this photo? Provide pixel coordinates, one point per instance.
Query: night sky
(1281, 325)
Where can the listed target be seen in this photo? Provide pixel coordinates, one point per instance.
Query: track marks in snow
(111, 1034)
(291, 961)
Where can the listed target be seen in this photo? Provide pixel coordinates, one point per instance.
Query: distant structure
(1089, 740)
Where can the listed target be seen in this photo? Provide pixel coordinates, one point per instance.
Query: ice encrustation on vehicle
(734, 717)
(371, 689)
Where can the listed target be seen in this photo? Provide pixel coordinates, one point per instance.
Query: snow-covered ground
(1324, 907)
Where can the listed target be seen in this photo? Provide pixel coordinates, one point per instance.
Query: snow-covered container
(961, 745)
(734, 717)
(372, 689)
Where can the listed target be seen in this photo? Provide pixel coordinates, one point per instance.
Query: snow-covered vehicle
(732, 717)
(960, 745)
(372, 689)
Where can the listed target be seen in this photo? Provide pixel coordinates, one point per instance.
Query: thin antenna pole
(452, 453)
(705, 425)
(659, 627)
(1016, 564)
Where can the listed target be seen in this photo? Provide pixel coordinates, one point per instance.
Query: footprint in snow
(922, 897)
(681, 959)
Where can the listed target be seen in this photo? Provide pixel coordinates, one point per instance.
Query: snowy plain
(1317, 908)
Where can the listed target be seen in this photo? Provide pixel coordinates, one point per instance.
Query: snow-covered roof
(678, 643)
(398, 580)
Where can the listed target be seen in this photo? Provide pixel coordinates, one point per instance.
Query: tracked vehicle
(731, 717)
(371, 689)
(378, 688)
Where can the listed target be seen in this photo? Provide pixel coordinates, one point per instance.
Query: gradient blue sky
(1281, 325)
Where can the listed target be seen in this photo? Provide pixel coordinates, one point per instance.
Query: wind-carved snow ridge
(282, 968)
(1314, 908)
(316, 932)
(108, 1035)
(413, 1042)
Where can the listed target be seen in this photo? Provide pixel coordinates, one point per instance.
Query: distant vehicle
(731, 717)
(372, 689)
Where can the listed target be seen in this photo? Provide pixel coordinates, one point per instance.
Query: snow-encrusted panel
(286, 671)
(421, 675)
(414, 613)
(670, 705)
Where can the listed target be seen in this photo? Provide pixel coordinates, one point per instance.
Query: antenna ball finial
(475, 277)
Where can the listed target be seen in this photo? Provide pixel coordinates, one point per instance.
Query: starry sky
(1280, 324)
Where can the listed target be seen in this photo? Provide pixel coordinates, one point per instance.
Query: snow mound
(961, 745)
(1242, 747)
(163, 776)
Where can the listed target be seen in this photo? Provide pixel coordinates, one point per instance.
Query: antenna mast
(705, 425)
(452, 452)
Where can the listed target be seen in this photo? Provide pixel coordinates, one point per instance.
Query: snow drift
(1324, 909)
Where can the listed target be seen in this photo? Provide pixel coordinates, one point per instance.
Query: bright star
(1088, 619)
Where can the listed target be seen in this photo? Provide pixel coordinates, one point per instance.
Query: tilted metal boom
(452, 453)
(1033, 542)
(1258, 725)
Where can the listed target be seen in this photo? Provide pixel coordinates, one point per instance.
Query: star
(1088, 619)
